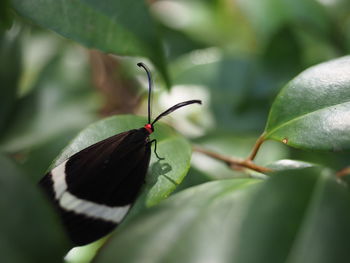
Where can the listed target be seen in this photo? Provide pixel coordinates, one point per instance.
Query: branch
(343, 172)
(256, 147)
(233, 163)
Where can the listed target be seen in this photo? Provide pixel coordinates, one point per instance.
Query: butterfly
(94, 189)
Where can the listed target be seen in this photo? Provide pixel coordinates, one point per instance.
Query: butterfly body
(94, 189)
(118, 165)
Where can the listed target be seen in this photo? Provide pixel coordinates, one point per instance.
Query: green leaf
(6, 16)
(297, 216)
(113, 26)
(178, 43)
(29, 230)
(165, 175)
(312, 111)
(196, 225)
(268, 16)
(292, 219)
(287, 164)
(193, 178)
(10, 68)
(274, 62)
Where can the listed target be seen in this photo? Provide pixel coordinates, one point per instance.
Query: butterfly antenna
(149, 88)
(175, 107)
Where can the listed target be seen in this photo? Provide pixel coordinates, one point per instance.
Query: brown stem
(232, 162)
(343, 172)
(256, 147)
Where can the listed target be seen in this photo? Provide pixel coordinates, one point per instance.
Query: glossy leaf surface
(312, 111)
(196, 225)
(288, 218)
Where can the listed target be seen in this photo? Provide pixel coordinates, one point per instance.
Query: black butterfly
(94, 189)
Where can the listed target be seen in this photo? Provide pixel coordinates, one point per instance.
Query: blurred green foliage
(235, 56)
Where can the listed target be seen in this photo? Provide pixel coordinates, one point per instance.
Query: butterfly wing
(94, 189)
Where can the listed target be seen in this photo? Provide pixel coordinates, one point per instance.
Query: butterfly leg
(155, 149)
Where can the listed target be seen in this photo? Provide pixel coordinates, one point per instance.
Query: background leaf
(236, 221)
(26, 221)
(268, 16)
(287, 164)
(230, 85)
(312, 111)
(52, 106)
(10, 69)
(5, 15)
(119, 27)
(196, 225)
(307, 204)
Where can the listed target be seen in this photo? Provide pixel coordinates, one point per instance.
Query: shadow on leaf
(159, 169)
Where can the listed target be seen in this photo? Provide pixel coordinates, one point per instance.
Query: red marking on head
(149, 128)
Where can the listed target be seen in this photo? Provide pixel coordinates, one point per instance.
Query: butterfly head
(149, 128)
